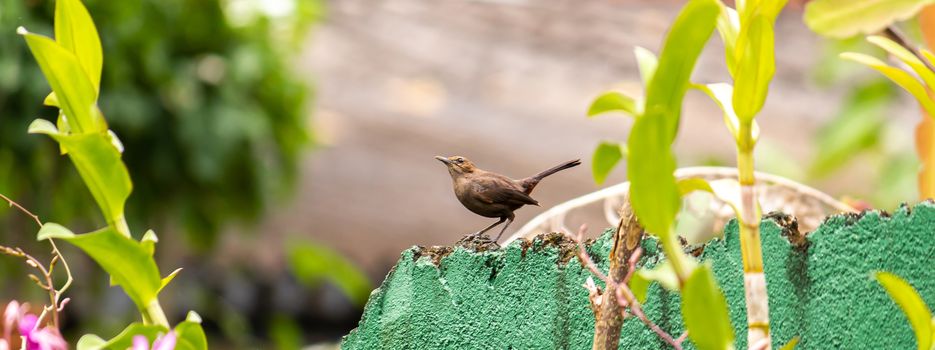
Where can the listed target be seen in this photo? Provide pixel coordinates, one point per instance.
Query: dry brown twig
(624, 296)
(57, 303)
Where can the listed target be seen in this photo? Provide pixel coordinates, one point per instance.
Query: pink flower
(163, 342)
(46, 338)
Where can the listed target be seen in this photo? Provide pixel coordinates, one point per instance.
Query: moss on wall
(529, 294)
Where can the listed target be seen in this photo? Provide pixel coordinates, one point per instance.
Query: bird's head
(457, 165)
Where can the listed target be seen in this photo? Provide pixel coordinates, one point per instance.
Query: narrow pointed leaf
(650, 163)
(755, 67)
(907, 57)
(614, 102)
(75, 31)
(73, 90)
(898, 76)
(728, 27)
(722, 94)
(606, 157)
(791, 344)
(908, 299)
(99, 165)
(704, 310)
(647, 63)
(127, 262)
(845, 18)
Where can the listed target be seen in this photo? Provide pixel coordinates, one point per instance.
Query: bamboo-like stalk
(609, 315)
(754, 280)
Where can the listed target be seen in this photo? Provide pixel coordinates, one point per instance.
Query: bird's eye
(460, 160)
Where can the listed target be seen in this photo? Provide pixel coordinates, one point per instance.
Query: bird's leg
(509, 220)
(478, 233)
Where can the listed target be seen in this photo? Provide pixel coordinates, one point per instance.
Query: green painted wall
(529, 295)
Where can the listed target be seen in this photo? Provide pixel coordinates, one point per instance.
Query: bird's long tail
(531, 182)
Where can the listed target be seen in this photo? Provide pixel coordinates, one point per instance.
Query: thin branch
(897, 35)
(27, 212)
(57, 304)
(624, 295)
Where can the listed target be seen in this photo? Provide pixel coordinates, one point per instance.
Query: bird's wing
(501, 191)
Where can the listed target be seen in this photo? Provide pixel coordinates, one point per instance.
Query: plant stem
(121, 226)
(751, 251)
(153, 314)
(609, 315)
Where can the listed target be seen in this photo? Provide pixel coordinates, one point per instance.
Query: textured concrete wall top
(529, 295)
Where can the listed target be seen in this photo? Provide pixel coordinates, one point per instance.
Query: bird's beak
(443, 160)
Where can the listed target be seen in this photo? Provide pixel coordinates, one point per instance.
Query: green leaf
(857, 127)
(68, 80)
(650, 163)
(613, 102)
(190, 334)
(639, 285)
(121, 341)
(722, 94)
(75, 31)
(90, 342)
(791, 344)
(907, 57)
(844, 18)
(314, 263)
(692, 184)
(898, 76)
(705, 312)
(728, 27)
(647, 63)
(50, 100)
(51, 230)
(126, 260)
(755, 67)
(169, 278)
(661, 273)
(99, 165)
(918, 314)
(149, 241)
(606, 156)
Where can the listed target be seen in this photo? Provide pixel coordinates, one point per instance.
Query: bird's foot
(478, 242)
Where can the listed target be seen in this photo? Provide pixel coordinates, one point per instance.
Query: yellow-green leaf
(692, 184)
(99, 165)
(614, 101)
(755, 67)
(898, 76)
(650, 163)
(121, 341)
(704, 310)
(124, 259)
(907, 57)
(73, 90)
(721, 93)
(190, 335)
(647, 63)
(844, 18)
(791, 344)
(606, 156)
(918, 314)
(75, 31)
(728, 27)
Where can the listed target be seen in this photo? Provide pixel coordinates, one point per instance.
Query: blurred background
(282, 149)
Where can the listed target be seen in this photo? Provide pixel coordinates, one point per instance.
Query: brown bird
(493, 195)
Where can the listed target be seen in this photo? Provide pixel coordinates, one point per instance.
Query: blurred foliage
(863, 129)
(202, 94)
(312, 264)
